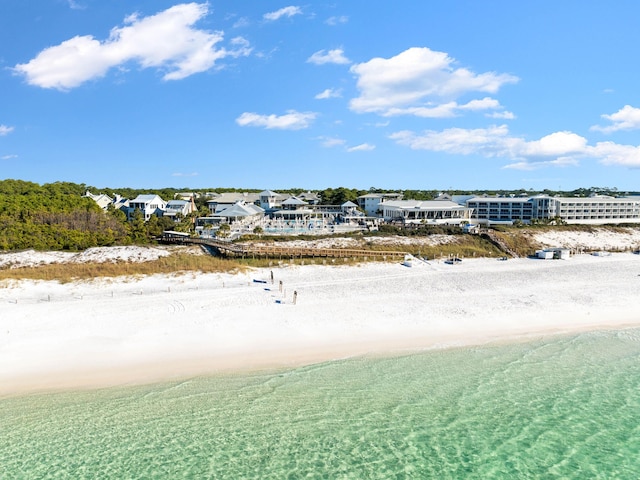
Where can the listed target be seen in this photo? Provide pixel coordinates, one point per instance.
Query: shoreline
(164, 327)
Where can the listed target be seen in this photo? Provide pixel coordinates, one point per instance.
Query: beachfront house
(178, 208)
(101, 199)
(148, 205)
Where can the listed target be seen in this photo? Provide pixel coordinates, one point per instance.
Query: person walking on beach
(295, 296)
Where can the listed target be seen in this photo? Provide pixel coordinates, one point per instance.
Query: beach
(129, 331)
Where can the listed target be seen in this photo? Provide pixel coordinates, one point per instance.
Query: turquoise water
(565, 407)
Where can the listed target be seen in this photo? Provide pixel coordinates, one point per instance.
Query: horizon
(415, 96)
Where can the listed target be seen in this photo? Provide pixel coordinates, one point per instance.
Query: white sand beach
(127, 331)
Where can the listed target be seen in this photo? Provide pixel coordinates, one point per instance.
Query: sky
(428, 95)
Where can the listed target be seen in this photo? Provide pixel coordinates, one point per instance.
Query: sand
(162, 327)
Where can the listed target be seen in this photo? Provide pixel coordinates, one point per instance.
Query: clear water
(564, 407)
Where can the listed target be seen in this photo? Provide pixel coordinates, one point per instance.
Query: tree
(223, 231)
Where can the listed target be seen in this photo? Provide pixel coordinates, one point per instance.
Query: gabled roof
(269, 193)
(349, 204)
(294, 201)
(146, 198)
(240, 210)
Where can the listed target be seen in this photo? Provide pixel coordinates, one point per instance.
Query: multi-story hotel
(597, 209)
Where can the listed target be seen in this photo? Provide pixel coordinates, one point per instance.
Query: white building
(101, 199)
(227, 199)
(594, 210)
(370, 202)
(428, 211)
(177, 208)
(148, 205)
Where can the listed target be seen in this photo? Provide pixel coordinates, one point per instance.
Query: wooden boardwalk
(237, 250)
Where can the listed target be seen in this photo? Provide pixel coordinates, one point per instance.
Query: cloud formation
(322, 57)
(329, 142)
(292, 120)
(558, 149)
(422, 82)
(166, 41)
(627, 118)
(5, 130)
(363, 147)
(328, 93)
(9, 157)
(289, 11)
(337, 20)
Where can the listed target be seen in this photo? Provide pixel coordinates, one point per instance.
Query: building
(179, 208)
(148, 205)
(227, 199)
(593, 210)
(427, 211)
(101, 199)
(370, 202)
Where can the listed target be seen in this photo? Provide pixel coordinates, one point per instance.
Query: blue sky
(269, 94)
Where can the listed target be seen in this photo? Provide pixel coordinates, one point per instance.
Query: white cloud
(4, 130)
(178, 174)
(8, 157)
(166, 41)
(417, 82)
(74, 5)
(505, 115)
(292, 120)
(627, 118)
(610, 153)
(328, 93)
(283, 12)
(558, 162)
(363, 147)
(557, 149)
(332, 56)
(444, 110)
(337, 20)
(330, 142)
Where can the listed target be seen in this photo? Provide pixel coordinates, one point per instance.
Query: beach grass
(176, 263)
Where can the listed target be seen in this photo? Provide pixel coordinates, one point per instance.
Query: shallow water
(566, 407)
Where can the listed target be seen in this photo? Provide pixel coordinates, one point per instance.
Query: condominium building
(596, 209)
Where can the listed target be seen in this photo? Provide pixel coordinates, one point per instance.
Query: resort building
(593, 210)
(428, 211)
(227, 199)
(370, 202)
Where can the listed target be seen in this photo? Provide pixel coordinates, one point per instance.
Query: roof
(146, 198)
(294, 201)
(349, 204)
(240, 210)
(269, 193)
(233, 197)
(424, 205)
(178, 202)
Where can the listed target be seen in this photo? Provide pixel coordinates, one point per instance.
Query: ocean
(560, 407)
